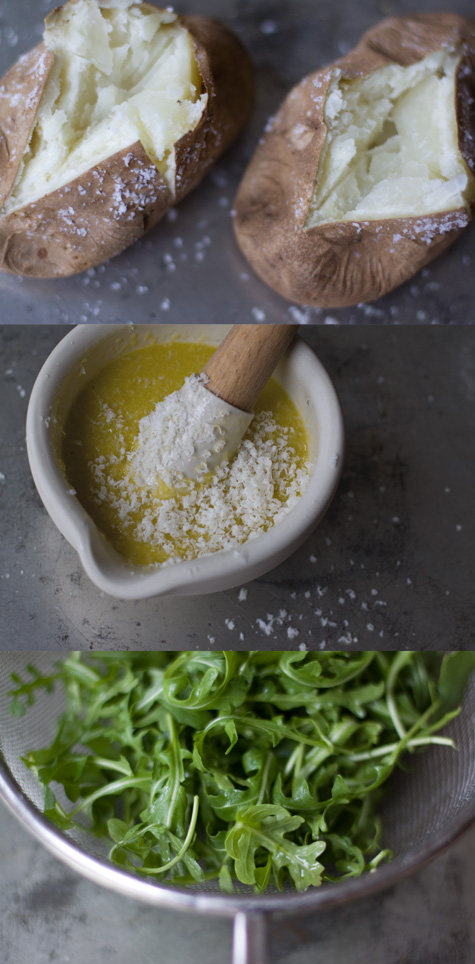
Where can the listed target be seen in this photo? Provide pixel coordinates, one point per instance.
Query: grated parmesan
(244, 498)
(148, 522)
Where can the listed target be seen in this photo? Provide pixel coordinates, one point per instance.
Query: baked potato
(107, 124)
(367, 171)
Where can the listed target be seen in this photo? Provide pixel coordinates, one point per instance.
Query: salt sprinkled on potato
(368, 170)
(107, 124)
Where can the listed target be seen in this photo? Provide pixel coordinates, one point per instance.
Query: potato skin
(345, 263)
(102, 212)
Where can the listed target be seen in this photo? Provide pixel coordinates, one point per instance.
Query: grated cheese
(244, 498)
(145, 520)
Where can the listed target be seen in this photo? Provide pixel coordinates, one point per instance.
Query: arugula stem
(186, 843)
(176, 770)
(292, 761)
(117, 786)
(265, 775)
(400, 661)
(390, 748)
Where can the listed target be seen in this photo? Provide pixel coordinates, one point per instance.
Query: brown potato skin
(345, 263)
(107, 208)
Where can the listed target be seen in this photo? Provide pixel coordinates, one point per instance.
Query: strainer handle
(250, 939)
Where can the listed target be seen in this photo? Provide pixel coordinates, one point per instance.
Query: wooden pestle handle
(245, 360)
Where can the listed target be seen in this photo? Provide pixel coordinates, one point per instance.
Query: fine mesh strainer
(427, 807)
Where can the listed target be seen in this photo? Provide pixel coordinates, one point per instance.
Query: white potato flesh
(391, 148)
(122, 73)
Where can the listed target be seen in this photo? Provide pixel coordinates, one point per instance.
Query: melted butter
(103, 424)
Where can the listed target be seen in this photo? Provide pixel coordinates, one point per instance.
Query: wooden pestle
(244, 362)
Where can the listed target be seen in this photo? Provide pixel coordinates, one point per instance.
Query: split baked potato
(107, 124)
(367, 171)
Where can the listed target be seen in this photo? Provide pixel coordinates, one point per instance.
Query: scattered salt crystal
(10, 36)
(258, 314)
(269, 27)
(266, 627)
(346, 639)
(299, 316)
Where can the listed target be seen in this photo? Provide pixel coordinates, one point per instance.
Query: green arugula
(246, 767)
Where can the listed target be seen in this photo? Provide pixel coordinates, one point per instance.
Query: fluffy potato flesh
(123, 72)
(391, 148)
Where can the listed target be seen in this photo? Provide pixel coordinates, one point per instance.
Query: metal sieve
(428, 805)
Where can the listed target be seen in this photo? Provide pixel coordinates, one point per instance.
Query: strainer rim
(102, 872)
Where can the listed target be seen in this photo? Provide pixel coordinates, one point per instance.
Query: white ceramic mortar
(77, 358)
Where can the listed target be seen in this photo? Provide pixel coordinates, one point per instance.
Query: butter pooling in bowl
(73, 366)
(118, 445)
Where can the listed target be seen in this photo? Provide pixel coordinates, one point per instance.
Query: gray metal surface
(189, 268)
(391, 566)
(48, 914)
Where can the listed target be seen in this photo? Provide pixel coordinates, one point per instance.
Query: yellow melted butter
(103, 424)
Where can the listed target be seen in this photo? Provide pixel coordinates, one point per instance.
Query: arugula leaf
(455, 669)
(263, 828)
(244, 767)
